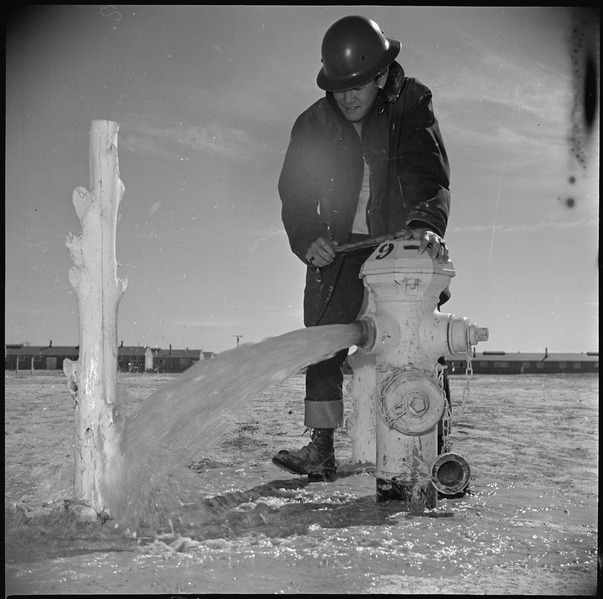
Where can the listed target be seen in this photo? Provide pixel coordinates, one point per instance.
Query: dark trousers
(324, 381)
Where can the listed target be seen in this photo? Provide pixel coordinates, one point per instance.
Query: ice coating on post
(93, 379)
(182, 420)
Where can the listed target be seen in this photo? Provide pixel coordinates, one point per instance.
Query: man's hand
(430, 242)
(320, 253)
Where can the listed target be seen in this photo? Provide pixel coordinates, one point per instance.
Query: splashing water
(184, 419)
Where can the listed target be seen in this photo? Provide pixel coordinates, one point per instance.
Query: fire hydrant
(397, 374)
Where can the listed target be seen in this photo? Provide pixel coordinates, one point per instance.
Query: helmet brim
(331, 84)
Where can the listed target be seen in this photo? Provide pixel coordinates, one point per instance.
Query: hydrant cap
(411, 402)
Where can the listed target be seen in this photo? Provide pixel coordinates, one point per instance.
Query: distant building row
(129, 358)
(155, 359)
(500, 362)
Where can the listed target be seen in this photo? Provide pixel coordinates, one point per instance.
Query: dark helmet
(354, 51)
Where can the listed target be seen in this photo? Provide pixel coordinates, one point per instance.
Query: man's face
(356, 103)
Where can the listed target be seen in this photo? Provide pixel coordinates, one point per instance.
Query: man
(364, 161)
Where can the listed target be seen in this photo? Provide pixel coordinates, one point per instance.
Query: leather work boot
(317, 459)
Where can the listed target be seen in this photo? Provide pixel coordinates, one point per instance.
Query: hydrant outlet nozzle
(367, 333)
(378, 332)
(450, 473)
(461, 334)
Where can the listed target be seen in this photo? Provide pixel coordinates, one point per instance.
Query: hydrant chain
(468, 376)
(447, 417)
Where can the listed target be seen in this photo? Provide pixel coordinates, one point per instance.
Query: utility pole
(238, 337)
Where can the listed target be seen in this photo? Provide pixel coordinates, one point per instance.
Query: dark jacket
(322, 174)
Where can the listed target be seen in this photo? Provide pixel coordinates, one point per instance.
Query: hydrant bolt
(418, 404)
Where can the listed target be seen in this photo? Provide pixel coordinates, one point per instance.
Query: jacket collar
(393, 85)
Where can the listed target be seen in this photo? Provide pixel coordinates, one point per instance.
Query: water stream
(181, 421)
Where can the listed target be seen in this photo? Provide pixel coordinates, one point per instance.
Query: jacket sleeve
(423, 169)
(300, 184)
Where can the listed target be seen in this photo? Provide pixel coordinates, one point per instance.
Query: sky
(206, 97)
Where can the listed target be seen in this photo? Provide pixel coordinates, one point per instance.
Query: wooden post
(99, 422)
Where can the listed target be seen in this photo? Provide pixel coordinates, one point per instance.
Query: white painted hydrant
(398, 384)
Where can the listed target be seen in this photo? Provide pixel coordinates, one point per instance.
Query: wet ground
(528, 526)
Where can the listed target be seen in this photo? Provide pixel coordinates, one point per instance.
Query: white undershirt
(360, 226)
